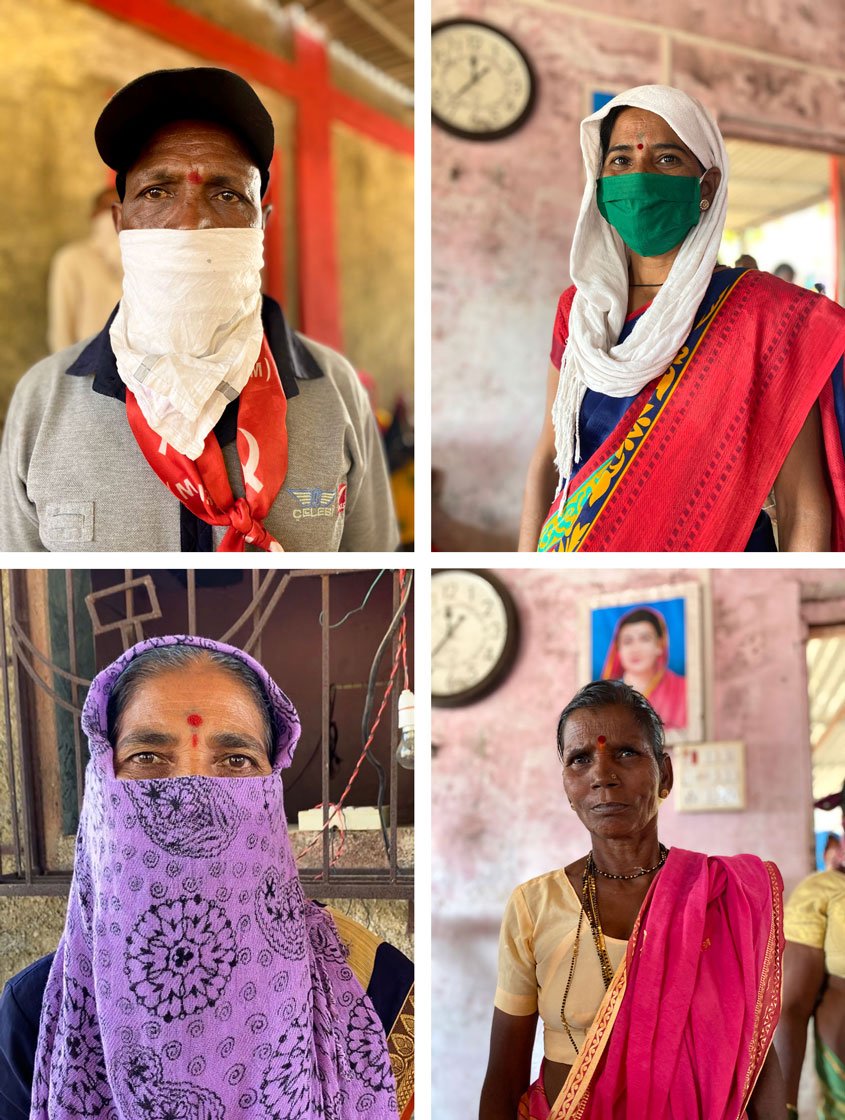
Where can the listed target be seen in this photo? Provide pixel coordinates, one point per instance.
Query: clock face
(473, 635)
(482, 85)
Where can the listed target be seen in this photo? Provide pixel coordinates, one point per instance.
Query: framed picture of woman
(651, 639)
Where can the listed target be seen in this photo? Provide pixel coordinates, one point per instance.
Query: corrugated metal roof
(767, 181)
(379, 31)
(826, 671)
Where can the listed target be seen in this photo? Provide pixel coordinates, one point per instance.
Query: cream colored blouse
(535, 954)
(815, 915)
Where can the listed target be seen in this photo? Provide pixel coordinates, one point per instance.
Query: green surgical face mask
(652, 213)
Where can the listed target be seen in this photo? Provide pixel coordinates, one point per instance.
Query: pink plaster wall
(499, 815)
(503, 213)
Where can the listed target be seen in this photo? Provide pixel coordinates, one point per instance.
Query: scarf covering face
(599, 269)
(188, 331)
(193, 980)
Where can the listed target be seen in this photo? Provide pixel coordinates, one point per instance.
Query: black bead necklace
(664, 852)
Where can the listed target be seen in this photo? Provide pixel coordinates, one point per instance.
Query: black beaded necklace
(664, 852)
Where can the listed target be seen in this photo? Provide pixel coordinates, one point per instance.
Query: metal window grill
(36, 676)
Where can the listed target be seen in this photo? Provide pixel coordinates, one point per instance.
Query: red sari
(690, 1014)
(689, 466)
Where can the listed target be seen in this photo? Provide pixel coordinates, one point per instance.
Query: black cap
(832, 801)
(198, 93)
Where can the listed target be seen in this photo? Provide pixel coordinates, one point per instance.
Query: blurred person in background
(814, 980)
(86, 279)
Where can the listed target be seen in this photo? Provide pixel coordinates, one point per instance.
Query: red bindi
(194, 720)
(195, 177)
(639, 147)
(602, 741)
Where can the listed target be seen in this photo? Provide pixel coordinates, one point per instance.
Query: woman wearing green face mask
(680, 392)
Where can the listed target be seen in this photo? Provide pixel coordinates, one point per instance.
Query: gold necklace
(589, 905)
(595, 924)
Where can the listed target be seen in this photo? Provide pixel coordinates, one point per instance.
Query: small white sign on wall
(709, 776)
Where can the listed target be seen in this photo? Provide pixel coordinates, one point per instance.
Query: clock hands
(475, 78)
(449, 631)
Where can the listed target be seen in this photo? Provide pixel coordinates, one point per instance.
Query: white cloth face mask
(188, 331)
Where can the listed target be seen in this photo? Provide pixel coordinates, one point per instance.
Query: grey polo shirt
(73, 479)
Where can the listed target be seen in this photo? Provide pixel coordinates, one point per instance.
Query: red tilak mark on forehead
(194, 740)
(601, 741)
(194, 720)
(194, 177)
(639, 147)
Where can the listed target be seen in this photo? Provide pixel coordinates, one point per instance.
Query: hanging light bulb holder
(405, 747)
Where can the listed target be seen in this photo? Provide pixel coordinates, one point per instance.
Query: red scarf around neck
(203, 484)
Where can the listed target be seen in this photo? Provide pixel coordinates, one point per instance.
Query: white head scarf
(599, 270)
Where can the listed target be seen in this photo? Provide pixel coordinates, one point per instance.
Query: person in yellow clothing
(814, 983)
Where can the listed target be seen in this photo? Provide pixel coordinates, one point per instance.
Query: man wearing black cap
(211, 424)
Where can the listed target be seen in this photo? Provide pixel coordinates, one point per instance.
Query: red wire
(342, 830)
(403, 639)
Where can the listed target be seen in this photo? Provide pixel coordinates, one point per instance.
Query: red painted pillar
(319, 285)
(274, 233)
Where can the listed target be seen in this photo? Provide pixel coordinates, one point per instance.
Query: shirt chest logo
(312, 501)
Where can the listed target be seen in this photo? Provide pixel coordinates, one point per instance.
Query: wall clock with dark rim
(474, 635)
(482, 85)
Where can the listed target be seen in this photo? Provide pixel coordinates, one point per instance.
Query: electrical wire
(355, 610)
(338, 805)
(334, 758)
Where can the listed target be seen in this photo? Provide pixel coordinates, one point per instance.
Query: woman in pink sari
(656, 973)
(639, 655)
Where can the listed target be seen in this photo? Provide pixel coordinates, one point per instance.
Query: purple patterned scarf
(193, 980)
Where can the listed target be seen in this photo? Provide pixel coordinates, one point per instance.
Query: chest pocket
(68, 523)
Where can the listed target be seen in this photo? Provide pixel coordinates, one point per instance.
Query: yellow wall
(375, 233)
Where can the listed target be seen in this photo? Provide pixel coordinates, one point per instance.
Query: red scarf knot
(203, 484)
(248, 527)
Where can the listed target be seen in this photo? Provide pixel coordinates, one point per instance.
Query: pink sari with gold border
(688, 1019)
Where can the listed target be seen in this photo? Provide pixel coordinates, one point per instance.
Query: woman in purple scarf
(193, 980)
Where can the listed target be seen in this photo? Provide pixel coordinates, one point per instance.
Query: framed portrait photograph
(650, 638)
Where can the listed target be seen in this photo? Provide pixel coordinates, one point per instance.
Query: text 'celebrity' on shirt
(196, 419)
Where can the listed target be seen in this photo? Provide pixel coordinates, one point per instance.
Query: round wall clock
(482, 84)
(474, 635)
